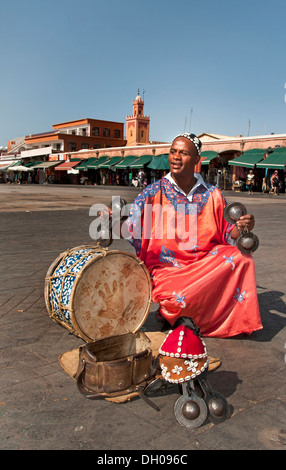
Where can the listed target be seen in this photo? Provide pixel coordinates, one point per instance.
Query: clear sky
(205, 66)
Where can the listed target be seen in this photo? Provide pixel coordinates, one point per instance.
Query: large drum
(96, 293)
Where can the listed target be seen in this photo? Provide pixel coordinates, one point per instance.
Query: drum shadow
(270, 302)
(224, 382)
(154, 322)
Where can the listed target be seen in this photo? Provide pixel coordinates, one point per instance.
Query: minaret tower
(137, 125)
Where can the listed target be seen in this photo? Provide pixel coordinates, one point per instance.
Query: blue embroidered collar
(189, 196)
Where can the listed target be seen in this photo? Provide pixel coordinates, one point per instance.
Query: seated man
(178, 229)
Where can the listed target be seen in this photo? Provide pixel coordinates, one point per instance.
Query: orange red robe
(194, 270)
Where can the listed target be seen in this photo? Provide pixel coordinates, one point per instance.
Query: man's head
(192, 138)
(184, 155)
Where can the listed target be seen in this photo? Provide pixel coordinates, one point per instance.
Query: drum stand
(198, 402)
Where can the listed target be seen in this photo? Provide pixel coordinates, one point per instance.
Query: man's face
(183, 157)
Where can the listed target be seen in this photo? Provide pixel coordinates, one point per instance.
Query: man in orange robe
(178, 229)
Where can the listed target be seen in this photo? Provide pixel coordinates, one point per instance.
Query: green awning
(30, 164)
(141, 161)
(84, 164)
(160, 162)
(126, 162)
(111, 162)
(4, 167)
(276, 160)
(10, 166)
(207, 156)
(33, 165)
(249, 158)
(97, 163)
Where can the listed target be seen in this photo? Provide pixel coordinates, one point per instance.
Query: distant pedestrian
(250, 179)
(275, 183)
(219, 179)
(141, 176)
(130, 177)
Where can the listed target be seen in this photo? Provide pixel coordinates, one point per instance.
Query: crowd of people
(274, 183)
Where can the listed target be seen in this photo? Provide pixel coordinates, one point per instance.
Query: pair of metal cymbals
(247, 242)
(198, 402)
(191, 410)
(105, 229)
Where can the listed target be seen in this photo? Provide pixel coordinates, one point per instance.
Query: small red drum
(96, 293)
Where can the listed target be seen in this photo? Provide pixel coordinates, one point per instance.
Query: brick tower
(137, 125)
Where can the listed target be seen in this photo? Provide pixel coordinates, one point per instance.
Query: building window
(84, 131)
(72, 146)
(106, 132)
(84, 146)
(116, 133)
(95, 131)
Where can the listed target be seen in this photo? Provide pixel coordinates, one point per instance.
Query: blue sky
(65, 59)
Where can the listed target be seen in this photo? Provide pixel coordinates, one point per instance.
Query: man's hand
(246, 222)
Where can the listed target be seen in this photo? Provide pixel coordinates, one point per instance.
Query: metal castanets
(105, 229)
(247, 242)
(192, 409)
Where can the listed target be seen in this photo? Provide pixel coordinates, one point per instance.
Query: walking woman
(275, 183)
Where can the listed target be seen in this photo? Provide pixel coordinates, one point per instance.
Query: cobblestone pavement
(40, 406)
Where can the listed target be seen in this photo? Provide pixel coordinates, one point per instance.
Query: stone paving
(40, 406)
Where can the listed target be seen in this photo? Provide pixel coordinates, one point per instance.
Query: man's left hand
(246, 222)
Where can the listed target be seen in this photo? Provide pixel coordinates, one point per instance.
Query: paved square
(40, 405)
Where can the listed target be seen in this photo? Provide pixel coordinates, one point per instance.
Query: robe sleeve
(225, 227)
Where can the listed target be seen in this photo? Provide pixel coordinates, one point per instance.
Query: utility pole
(248, 128)
(191, 118)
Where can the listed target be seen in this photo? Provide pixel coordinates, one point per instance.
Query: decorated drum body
(96, 293)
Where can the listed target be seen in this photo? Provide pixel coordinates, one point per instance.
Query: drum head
(112, 296)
